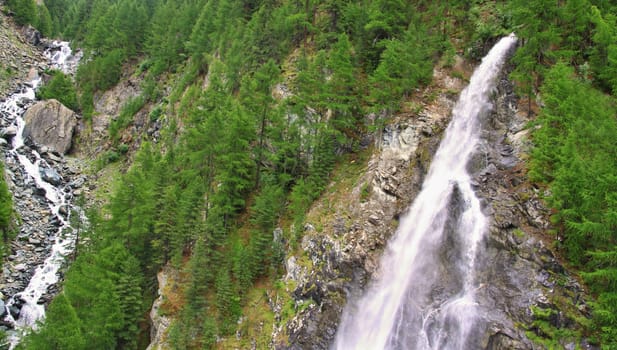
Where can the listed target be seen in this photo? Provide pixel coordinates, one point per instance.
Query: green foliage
(43, 21)
(127, 112)
(241, 158)
(24, 11)
(66, 332)
(4, 342)
(544, 330)
(404, 65)
(365, 191)
(266, 211)
(59, 87)
(100, 306)
(156, 113)
(575, 142)
(99, 73)
(344, 90)
(604, 53)
(571, 149)
(227, 301)
(6, 211)
(111, 157)
(575, 150)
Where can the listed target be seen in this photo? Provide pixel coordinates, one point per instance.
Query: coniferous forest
(234, 162)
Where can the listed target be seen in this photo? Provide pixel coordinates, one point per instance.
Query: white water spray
(425, 295)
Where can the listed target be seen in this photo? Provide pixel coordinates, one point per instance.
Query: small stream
(41, 184)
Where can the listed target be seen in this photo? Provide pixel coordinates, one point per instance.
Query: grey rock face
(51, 124)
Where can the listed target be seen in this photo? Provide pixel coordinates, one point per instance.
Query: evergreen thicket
(235, 158)
(6, 212)
(568, 57)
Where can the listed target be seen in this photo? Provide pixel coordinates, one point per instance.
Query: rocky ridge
(18, 57)
(339, 259)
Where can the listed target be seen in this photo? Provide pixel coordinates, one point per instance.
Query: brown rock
(50, 123)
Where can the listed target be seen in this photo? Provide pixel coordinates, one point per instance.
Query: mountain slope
(228, 120)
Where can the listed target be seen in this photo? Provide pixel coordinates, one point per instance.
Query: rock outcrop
(159, 322)
(50, 124)
(344, 256)
(17, 56)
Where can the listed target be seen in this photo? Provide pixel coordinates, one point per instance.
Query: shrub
(60, 87)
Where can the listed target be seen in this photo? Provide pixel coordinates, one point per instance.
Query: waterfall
(34, 166)
(424, 297)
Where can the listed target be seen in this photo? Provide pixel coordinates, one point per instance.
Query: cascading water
(37, 173)
(424, 297)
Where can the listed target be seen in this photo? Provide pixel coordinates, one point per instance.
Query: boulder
(50, 124)
(32, 35)
(8, 132)
(51, 176)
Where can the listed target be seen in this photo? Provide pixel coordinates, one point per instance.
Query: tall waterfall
(424, 297)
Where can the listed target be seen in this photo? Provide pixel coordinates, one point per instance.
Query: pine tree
(128, 288)
(244, 264)
(344, 89)
(404, 65)
(44, 22)
(200, 277)
(62, 329)
(235, 166)
(24, 11)
(604, 53)
(257, 97)
(6, 208)
(227, 301)
(90, 287)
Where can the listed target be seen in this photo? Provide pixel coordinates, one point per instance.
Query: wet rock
(51, 124)
(32, 35)
(8, 132)
(52, 156)
(51, 176)
(78, 183)
(501, 340)
(55, 222)
(63, 210)
(39, 191)
(34, 241)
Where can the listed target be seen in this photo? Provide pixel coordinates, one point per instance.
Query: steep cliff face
(338, 259)
(344, 255)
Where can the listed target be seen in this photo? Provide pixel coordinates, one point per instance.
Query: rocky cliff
(18, 57)
(338, 259)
